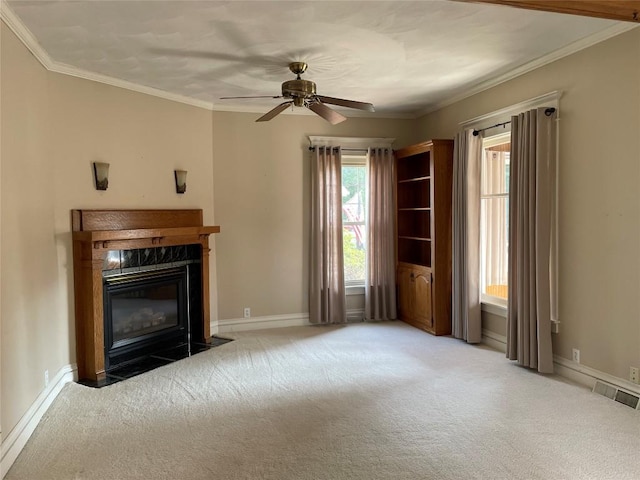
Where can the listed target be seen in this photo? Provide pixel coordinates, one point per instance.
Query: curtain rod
(350, 149)
(476, 132)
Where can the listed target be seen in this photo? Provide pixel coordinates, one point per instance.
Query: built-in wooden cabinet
(414, 295)
(423, 225)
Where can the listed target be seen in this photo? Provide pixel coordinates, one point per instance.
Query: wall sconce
(101, 175)
(181, 180)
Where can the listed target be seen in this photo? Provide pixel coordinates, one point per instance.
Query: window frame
(356, 287)
(488, 142)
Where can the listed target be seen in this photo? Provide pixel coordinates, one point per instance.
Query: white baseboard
(13, 444)
(494, 340)
(587, 376)
(275, 321)
(213, 327)
(576, 372)
(259, 323)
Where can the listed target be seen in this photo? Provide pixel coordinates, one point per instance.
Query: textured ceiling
(403, 57)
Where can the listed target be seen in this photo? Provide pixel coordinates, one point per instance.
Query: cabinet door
(422, 298)
(405, 293)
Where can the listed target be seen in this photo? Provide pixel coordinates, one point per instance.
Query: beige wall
(599, 199)
(28, 254)
(261, 179)
(53, 127)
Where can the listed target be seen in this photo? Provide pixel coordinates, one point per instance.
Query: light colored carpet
(364, 401)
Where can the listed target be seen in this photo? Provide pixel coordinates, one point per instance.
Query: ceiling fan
(302, 93)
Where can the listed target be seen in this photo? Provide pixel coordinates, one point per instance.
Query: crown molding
(570, 49)
(72, 71)
(29, 40)
(12, 21)
(550, 99)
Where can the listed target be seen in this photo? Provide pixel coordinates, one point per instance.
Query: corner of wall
(15, 441)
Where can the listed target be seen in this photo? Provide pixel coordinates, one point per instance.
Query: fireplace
(141, 286)
(144, 313)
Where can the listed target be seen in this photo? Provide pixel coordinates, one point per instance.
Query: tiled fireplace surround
(117, 262)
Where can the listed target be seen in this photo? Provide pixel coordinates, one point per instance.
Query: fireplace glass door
(144, 311)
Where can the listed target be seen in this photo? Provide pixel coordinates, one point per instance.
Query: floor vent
(614, 393)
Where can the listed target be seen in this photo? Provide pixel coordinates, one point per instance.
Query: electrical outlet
(46, 378)
(634, 374)
(247, 312)
(576, 355)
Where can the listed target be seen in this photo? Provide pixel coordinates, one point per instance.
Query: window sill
(494, 309)
(354, 290)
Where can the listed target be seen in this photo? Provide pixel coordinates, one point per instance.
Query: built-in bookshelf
(423, 223)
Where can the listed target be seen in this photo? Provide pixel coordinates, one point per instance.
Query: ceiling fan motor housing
(298, 89)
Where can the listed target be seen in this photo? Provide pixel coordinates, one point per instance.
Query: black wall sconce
(181, 180)
(101, 175)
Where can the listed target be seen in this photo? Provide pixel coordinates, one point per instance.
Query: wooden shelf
(123, 239)
(105, 235)
(416, 252)
(416, 179)
(414, 194)
(416, 209)
(420, 239)
(412, 166)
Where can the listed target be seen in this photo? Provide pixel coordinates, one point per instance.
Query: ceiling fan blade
(273, 112)
(346, 103)
(256, 96)
(325, 112)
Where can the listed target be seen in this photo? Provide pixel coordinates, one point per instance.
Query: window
(355, 198)
(354, 203)
(494, 219)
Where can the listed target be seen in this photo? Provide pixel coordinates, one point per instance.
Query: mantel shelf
(155, 234)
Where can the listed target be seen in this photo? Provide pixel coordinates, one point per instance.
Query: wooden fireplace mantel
(95, 232)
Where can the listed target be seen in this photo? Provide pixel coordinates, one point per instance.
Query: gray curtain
(531, 187)
(326, 283)
(380, 278)
(466, 313)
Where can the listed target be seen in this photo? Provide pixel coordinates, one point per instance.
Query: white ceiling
(404, 57)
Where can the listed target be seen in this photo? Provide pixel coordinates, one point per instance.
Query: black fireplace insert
(145, 312)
